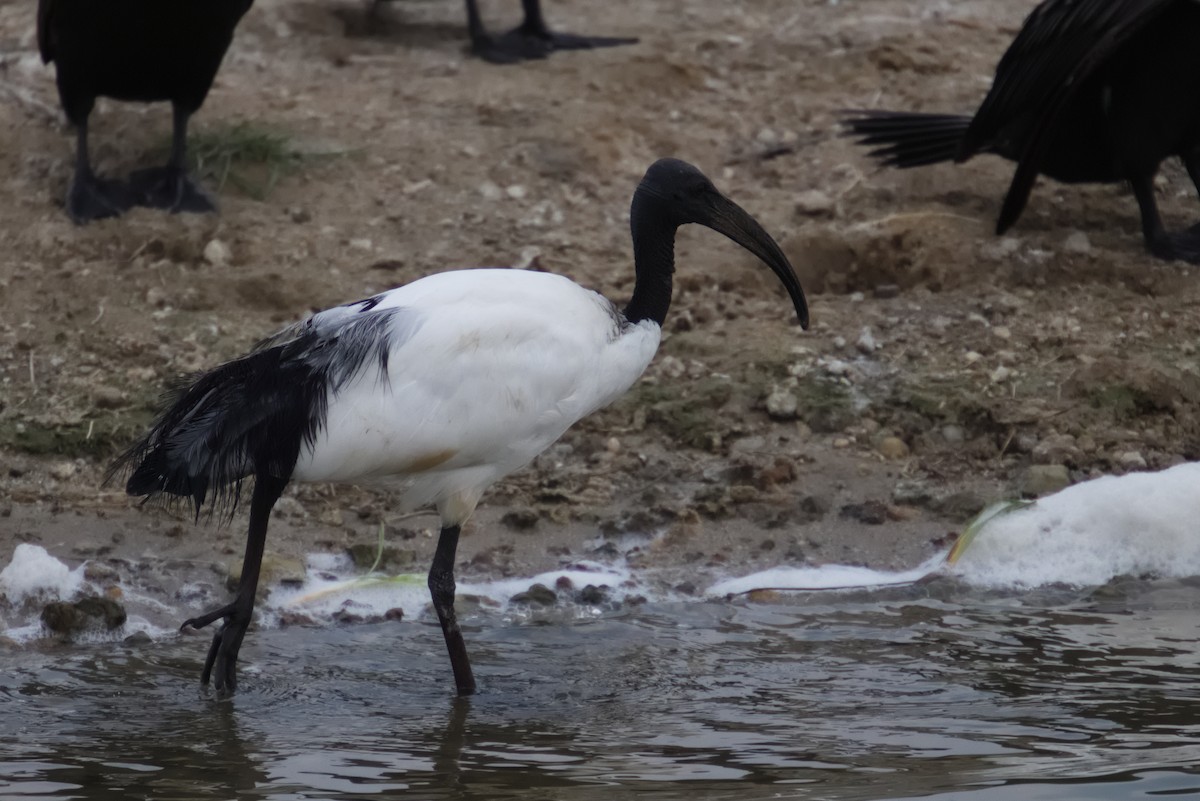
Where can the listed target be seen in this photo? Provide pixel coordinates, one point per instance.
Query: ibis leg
(88, 197)
(441, 588)
(221, 663)
(170, 187)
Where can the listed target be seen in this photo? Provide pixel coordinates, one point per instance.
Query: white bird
(437, 388)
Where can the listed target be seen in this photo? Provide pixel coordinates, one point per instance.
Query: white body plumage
(485, 370)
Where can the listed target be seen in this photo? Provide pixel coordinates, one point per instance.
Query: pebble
(841, 442)
(537, 594)
(63, 470)
(887, 291)
(106, 397)
(1044, 479)
(1131, 460)
(1000, 374)
(893, 448)
(516, 191)
(217, 253)
(1002, 332)
(814, 203)
(953, 434)
(782, 405)
(866, 343)
(1077, 242)
(490, 191)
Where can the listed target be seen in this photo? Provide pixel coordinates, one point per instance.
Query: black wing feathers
(253, 415)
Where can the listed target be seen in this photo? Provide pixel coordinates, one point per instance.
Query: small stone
(893, 448)
(814, 203)
(953, 434)
(1000, 374)
(1002, 332)
(887, 291)
(106, 397)
(1131, 460)
(1044, 479)
(591, 594)
(516, 191)
(217, 253)
(1077, 243)
(520, 519)
(63, 470)
(841, 442)
(89, 612)
(960, 505)
(971, 357)
(490, 191)
(361, 243)
(782, 405)
(873, 513)
(911, 492)
(537, 594)
(866, 343)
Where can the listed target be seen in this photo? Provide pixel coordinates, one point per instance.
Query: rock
(591, 594)
(1044, 479)
(813, 508)
(866, 343)
(392, 559)
(1131, 460)
(217, 253)
(893, 448)
(63, 470)
(953, 434)
(959, 505)
(1000, 374)
(520, 519)
(90, 612)
(873, 513)
(106, 397)
(1077, 243)
(275, 570)
(781, 404)
(911, 492)
(1057, 449)
(887, 291)
(538, 594)
(814, 203)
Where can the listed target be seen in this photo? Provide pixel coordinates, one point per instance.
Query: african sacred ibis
(144, 51)
(1090, 91)
(438, 388)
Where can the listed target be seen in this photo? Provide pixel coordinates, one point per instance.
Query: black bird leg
(1160, 243)
(90, 198)
(441, 588)
(531, 39)
(221, 662)
(170, 187)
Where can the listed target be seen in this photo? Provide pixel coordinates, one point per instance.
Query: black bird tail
(907, 139)
(248, 416)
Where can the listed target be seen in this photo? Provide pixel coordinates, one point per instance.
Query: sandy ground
(945, 367)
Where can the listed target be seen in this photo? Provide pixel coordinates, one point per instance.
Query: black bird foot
(90, 198)
(171, 189)
(523, 44)
(1183, 246)
(221, 663)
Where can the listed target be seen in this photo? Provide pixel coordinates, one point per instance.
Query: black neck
(653, 259)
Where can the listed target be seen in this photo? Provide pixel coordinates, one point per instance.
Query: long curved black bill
(728, 218)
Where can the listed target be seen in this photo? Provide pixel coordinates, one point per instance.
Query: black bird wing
(45, 13)
(253, 415)
(1060, 45)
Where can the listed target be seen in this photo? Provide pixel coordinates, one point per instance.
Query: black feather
(252, 415)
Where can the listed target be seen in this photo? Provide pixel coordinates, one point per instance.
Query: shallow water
(937, 691)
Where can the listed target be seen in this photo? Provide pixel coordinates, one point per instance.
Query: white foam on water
(1090, 533)
(33, 572)
(825, 577)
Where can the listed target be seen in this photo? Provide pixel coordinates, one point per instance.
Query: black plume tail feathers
(252, 416)
(908, 139)
(249, 416)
